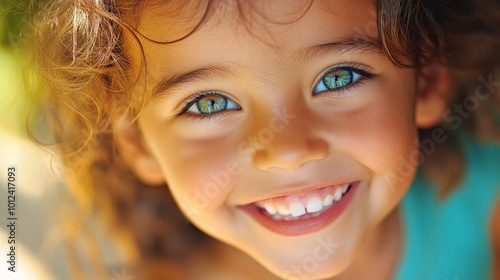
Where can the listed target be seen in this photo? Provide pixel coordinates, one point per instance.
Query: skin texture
(214, 165)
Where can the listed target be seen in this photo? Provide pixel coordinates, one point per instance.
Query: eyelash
(197, 97)
(355, 68)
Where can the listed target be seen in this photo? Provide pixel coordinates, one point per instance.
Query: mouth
(304, 213)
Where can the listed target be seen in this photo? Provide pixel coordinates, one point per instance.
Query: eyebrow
(360, 43)
(200, 74)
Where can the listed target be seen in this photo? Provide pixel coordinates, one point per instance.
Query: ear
(129, 141)
(435, 92)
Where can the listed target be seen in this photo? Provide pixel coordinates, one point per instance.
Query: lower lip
(301, 227)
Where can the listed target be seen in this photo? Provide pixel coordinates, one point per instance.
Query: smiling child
(290, 130)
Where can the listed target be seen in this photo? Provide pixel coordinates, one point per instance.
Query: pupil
(337, 79)
(211, 104)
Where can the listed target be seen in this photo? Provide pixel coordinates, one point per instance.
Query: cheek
(387, 138)
(385, 130)
(383, 137)
(199, 173)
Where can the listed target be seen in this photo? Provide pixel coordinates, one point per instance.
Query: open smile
(304, 213)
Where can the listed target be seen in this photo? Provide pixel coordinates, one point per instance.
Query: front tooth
(270, 208)
(297, 209)
(314, 204)
(328, 200)
(277, 217)
(282, 210)
(338, 194)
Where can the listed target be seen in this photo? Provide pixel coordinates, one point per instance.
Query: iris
(336, 79)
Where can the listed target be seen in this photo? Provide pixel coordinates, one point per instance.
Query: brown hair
(81, 67)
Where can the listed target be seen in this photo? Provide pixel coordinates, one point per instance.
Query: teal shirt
(450, 239)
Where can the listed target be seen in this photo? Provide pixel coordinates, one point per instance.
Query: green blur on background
(11, 18)
(13, 105)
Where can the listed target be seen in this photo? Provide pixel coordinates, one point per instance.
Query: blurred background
(40, 194)
(37, 186)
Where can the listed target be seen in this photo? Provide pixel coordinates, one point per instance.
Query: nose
(289, 151)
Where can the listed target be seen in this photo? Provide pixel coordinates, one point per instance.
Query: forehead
(253, 39)
(165, 21)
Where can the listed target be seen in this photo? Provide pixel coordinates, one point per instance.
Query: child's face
(291, 107)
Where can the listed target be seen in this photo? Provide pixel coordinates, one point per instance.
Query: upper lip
(298, 190)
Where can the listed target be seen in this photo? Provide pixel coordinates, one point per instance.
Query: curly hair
(77, 54)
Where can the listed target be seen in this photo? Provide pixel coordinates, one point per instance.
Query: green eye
(211, 103)
(336, 79)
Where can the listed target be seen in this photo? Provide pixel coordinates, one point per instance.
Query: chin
(307, 265)
(309, 270)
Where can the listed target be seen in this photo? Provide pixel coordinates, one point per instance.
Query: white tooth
(277, 217)
(297, 209)
(328, 200)
(344, 189)
(282, 210)
(338, 194)
(270, 208)
(314, 205)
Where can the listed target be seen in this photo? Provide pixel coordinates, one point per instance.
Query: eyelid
(192, 99)
(351, 66)
(361, 69)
